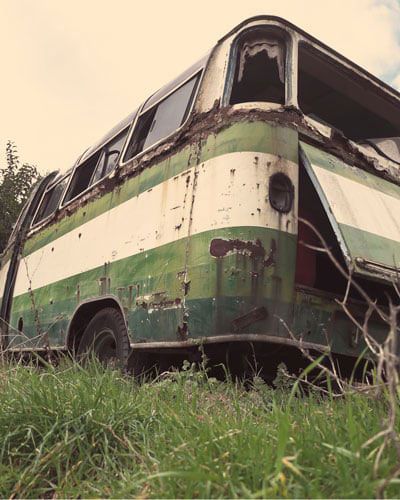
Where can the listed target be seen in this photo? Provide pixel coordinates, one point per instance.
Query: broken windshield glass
(260, 70)
(337, 97)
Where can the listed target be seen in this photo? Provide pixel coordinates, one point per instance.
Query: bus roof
(382, 87)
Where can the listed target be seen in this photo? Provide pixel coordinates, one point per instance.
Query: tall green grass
(93, 432)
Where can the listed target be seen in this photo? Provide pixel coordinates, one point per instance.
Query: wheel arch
(84, 312)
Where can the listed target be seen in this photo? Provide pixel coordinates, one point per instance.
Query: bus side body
(199, 240)
(190, 247)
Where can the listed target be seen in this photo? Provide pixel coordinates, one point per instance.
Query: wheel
(106, 337)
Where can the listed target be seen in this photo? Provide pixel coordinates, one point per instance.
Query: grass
(93, 432)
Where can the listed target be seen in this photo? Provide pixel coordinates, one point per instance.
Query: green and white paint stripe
(365, 207)
(227, 191)
(139, 237)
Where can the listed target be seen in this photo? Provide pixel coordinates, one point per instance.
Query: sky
(71, 69)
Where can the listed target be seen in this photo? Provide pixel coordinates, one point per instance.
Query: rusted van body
(187, 218)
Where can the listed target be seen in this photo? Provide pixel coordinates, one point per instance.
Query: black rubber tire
(106, 337)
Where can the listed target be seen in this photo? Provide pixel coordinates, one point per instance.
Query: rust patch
(158, 300)
(183, 330)
(220, 247)
(202, 124)
(165, 304)
(270, 260)
(256, 314)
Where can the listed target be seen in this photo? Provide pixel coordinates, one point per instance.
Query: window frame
(350, 71)
(200, 73)
(270, 30)
(103, 149)
(79, 164)
(52, 185)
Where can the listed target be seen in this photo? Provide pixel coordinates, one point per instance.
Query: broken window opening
(109, 157)
(50, 201)
(260, 70)
(96, 167)
(162, 119)
(81, 177)
(337, 98)
(315, 269)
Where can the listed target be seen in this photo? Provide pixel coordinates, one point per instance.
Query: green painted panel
(244, 136)
(362, 213)
(321, 320)
(333, 164)
(371, 246)
(256, 136)
(151, 288)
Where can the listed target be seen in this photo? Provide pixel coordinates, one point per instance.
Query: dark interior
(315, 269)
(336, 97)
(139, 137)
(81, 178)
(260, 80)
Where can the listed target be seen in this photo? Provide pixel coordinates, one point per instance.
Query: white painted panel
(3, 277)
(233, 191)
(360, 206)
(230, 190)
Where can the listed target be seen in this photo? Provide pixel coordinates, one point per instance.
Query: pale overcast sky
(71, 69)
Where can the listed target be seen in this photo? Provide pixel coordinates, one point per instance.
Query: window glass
(163, 119)
(50, 201)
(170, 113)
(109, 157)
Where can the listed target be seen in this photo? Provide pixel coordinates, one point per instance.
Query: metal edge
(321, 194)
(234, 337)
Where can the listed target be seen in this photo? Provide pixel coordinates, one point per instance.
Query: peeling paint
(256, 314)
(220, 247)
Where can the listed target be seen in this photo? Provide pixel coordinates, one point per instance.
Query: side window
(96, 167)
(50, 200)
(162, 119)
(109, 157)
(82, 176)
(260, 70)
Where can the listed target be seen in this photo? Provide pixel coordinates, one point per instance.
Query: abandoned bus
(185, 224)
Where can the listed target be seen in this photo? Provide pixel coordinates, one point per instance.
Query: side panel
(11, 259)
(189, 246)
(363, 209)
(241, 275)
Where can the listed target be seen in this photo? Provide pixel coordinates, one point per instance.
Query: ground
(87, 431)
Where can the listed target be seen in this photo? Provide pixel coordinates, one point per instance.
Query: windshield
(335, 96)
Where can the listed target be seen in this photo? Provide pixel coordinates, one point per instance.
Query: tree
(16, 181)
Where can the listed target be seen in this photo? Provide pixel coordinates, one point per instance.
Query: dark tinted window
(162, 119)
(50, 200)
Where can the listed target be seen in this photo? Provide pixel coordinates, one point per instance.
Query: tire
(106, 337)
